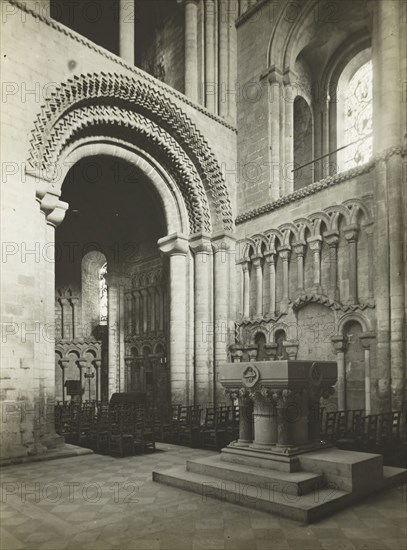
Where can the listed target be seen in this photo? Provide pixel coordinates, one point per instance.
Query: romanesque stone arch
(85, 103)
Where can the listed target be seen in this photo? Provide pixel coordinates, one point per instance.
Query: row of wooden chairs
(193, 426)
(113, 429)
(354, 426)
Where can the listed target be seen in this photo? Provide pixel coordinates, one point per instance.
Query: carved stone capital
(332, 239)
(53, 209)
(236, 352)
(284, 253)
(256, 262)
(271, 351)
(252, 352)
(367, 339)
(245, 266)
(174, 245)
(200, 243)
(351, 232)
(291, 348)
(339, 343)
(298, 248)
(223, 242)
(270, 257)
(315, 243)
(273, 75)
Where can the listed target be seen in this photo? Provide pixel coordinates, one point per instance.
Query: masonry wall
(28, 308)
(160, 41)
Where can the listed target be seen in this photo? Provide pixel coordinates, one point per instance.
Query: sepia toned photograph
(203, 275)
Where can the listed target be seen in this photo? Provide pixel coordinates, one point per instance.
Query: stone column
(136, 296)
(289, 140)
(367, 339)
(351, 233)
(160, 308)
(270, 259)
(64, 363)
(275, 139)
(122, 379)
(369, 228)
(113, 309)
(66, 319)
(284, 254)
(176, 248)
(129, 363)
(210, 80)
(284, 439)
(299, 250)
(75, 316)
(39, 368)
(191, 49)
(82, 365)
(245, 421)
(144, 297)
(339, 345)
(332, 240)
(222, 245)
(315, 247)
(203, 317)
(151, 292)
(129, 302)
(265, 423)
(97, 363)
(224, 84)
(259, 286)
(127, 30)
(246, 290)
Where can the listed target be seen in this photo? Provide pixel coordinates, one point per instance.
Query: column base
(262, 446)
(241, 443)
(270, 457)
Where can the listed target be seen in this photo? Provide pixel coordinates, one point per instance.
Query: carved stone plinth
(281, 453)
(284, 394)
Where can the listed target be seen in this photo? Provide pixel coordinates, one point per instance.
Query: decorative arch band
(137, 104)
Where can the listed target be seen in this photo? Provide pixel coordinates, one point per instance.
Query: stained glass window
(358, 117)
(103, 294)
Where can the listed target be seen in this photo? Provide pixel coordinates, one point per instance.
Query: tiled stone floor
(98, 502)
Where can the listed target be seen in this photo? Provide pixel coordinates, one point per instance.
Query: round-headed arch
(119, 106)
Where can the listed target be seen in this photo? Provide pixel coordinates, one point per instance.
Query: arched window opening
(355, 112)
(303, 146)
(103, 294)
(260, 340)
(358, 117)
(279, 338)
(94, 292)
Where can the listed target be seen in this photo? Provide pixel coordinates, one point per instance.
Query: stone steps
(304, 509)
(302, 496)
(296, 483)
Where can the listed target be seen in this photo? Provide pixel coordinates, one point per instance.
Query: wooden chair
(120, 436)
(211, 434)
(189, 425)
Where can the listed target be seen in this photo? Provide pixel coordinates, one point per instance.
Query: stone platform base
(322, 482)
(61, 451)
